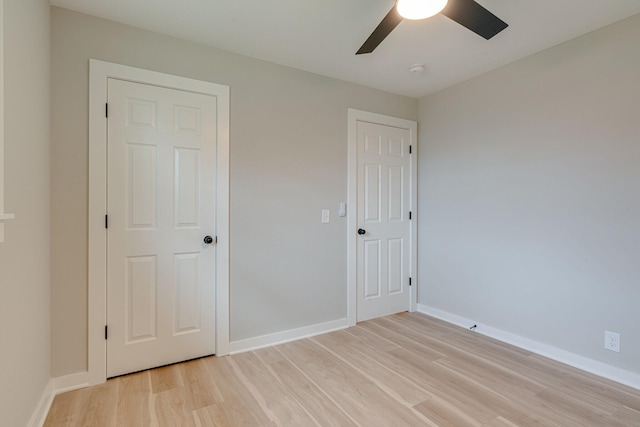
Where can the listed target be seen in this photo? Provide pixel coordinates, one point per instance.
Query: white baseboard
(286, 336)
(54, 387)
(584, 363)
(70, 382)
(39, 415)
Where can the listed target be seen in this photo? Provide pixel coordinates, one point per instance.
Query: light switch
(325, 216)
(342, 209)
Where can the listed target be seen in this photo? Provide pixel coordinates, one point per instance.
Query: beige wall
(288, 161)
(529, 191)
(24, 256)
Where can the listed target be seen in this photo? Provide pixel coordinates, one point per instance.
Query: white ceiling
(322, 36)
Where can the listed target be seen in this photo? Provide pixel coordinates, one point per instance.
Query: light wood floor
(402, 370)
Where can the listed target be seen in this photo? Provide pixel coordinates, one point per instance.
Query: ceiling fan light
(420, 9)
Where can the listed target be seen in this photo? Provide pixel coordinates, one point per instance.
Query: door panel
(160, 197)
(383, 262)
(140, 302)
(142, 186)
(371, 269)
(187, 285)
(395, 269)
(187, 188)
(396, 184)
(372, 200)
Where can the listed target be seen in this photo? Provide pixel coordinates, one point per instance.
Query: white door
(384, 230)
(161, 206)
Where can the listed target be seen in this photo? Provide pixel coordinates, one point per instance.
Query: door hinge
(410, 149)
(106, 332)
(409, 281)
(409, 215)
(106, 221)
(106, 110)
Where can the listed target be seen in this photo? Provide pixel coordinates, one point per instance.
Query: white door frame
(97, 264)
(355, 116)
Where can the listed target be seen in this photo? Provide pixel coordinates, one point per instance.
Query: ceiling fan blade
(470, 14)
(381, 32)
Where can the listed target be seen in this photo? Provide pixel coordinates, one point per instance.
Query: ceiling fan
(467, 13)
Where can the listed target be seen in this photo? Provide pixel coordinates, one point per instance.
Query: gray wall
(288, 161)
(529, 191)
(24, 256)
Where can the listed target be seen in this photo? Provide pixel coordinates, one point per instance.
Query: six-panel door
(383, 251)
(161, 205)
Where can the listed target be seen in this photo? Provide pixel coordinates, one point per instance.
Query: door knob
(208, 240)
(361, 231)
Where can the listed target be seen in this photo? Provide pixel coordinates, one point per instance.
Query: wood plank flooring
(401, 370)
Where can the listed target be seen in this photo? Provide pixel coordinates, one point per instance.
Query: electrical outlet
(612, 341)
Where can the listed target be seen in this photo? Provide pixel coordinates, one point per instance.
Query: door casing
(354, 116)
(97, 265)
